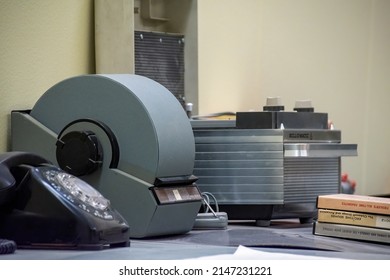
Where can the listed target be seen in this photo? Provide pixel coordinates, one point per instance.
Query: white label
(177, 195)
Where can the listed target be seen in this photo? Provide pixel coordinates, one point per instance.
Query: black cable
(7, 246)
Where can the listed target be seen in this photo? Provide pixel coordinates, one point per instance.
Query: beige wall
(42, 42)
(375, 146)
(114, 36)
(334, 52)
(229, 55)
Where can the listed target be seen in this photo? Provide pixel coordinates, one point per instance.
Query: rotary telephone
(42, 206)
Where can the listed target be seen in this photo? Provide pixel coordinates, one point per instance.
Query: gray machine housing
(139, 153)
(269, 165)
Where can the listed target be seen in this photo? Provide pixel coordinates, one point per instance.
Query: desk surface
(283, 239)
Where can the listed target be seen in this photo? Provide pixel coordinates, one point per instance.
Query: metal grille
(306, 178)
(160, 56)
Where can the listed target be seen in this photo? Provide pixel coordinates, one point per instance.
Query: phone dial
(42, 206)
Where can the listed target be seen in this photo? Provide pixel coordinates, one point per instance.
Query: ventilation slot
(160, 56)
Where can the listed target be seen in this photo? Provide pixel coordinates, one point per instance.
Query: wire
(206, 200)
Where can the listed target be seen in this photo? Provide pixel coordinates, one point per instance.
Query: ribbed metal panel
(306, 178)
(249, 170)
(160, 56)
(240, 167)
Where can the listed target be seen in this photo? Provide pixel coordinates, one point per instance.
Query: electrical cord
(206, 201)
(7, 246)
(213, 220)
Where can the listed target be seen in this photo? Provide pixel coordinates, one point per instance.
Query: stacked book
(355, 217)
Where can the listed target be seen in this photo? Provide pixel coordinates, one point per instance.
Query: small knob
(274, 104)
(303, 106)
(79, 152)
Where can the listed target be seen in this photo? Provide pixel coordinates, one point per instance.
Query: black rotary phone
(42, 206)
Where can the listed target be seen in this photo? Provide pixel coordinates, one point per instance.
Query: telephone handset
(7, 187)
(42, 206)
(8, 181)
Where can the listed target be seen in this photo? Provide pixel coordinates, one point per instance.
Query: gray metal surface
(287, 238)
(319, 150)
(240, 166)
(153, 134)
(138, 111)
(283, 170)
